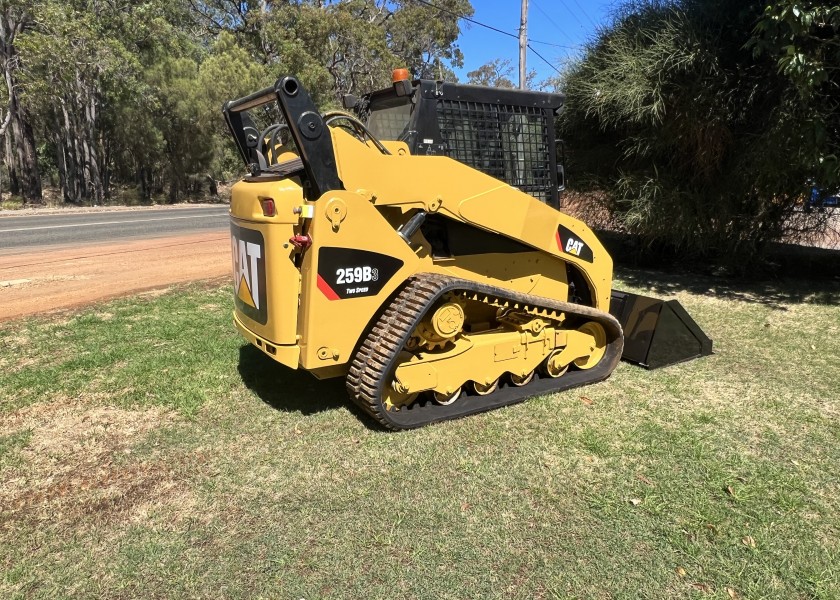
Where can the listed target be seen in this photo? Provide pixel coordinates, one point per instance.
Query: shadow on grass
(288, 389)
(791, 274)
(774, 293)
(291, 390)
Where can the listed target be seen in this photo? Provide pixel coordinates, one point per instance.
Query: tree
(496, 73)
(698, 142)
(424, 37)
(804, 39)
(344, 46)
(21, 156)
(128, 93)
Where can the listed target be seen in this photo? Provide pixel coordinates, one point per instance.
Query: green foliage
(499, 73)
(12, 203)
(804, 39)
(496, 73)
(131, 92)
(699, 142)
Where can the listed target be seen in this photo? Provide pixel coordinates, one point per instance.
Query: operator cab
(507, 134)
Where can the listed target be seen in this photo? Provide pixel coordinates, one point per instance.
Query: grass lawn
(146, 451)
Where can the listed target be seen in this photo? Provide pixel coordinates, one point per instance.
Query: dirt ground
(60, 277)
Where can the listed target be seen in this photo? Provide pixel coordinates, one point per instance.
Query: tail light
(268, 207)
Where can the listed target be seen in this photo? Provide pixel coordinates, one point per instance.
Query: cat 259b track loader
(435, 289)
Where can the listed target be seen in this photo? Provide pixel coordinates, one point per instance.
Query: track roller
(482, 389)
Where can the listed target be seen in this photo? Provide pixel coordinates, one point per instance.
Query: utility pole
(523, 44)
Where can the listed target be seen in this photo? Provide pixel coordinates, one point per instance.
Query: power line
(585, 14)
(556, 26)
(454, 14)
(544, 59)
(550, 20)
(575, 47)
(465, 18)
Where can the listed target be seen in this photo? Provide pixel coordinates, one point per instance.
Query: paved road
(32, 231)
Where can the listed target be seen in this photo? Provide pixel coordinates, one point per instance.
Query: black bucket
(657, 333)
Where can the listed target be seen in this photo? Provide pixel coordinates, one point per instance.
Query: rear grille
(508, 142)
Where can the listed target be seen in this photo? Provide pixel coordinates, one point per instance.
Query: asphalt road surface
(80, 228)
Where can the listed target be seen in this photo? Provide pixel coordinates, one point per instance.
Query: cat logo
(571, 244)
(248, 253)
(574, 246)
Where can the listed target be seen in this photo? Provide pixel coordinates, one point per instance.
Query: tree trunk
(106, 168)
(144, 184)
(60, 159)
(24, 154)
(11, 166)
(93, 149)
(70, 157)
(173, 191)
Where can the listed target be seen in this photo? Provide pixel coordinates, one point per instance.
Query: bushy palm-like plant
(699, 142)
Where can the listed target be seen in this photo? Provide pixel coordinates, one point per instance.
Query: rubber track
(376, 357)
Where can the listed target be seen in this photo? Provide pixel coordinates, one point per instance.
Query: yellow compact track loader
(436, 290)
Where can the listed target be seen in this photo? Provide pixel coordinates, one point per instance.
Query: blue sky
(564, 23)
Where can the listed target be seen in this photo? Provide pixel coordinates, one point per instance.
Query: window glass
(389, 117)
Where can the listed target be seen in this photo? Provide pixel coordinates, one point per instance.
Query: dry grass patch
(78, 464)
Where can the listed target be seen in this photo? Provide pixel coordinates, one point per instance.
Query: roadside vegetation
(104, 95)
(146, 450)
(701, 125)
(701, 122)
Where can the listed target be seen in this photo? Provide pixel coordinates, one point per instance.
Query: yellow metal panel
(282, 278)
(337, 324)
(286, 193)
(285, 355)
(440, 184)
(525, 272)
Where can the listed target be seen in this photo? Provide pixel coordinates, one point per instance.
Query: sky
(564, 24)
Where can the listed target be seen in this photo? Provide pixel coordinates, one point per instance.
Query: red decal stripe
(326, 289)
(559, 240)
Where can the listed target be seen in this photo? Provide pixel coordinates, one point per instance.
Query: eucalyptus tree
(20, 151)
(128, 92)
(346, 45)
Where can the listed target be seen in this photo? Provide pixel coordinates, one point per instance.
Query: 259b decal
(348, 273)
(356, 274)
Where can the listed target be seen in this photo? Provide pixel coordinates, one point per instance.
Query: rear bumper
(285, 355)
